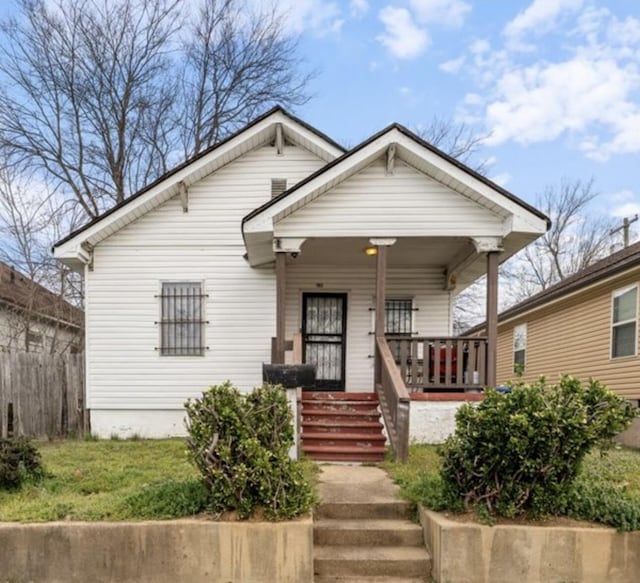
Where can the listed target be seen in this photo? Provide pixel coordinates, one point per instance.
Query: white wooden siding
(405, 203)
(423, 285)
(205, 244)
(219, 201)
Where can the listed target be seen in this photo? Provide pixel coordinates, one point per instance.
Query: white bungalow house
(277, 233)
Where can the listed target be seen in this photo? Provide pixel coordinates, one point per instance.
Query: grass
(607, 489)
(96, 480)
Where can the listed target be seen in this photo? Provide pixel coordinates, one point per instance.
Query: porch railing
(446, 363)
(394, 400)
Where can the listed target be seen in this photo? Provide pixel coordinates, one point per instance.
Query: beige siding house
(586, 326)
(280, 234)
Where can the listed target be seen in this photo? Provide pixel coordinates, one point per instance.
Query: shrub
(240, 444)
(521, 451)
(165, 500)
(19, 461)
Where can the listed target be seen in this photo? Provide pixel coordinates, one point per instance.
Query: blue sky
(555, 83)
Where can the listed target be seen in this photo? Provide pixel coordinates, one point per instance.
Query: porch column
(381, 290)
(281, 292)
(492, 316)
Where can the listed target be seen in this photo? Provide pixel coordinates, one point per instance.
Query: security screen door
(324, 328)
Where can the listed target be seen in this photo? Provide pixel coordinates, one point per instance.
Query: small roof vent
(278, 186)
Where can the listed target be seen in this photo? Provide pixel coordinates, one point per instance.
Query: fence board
(45, 393)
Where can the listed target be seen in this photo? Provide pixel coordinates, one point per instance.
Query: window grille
(182, 321)
(398, 317)
(278, 186)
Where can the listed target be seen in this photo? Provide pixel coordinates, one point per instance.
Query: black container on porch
(290, 376)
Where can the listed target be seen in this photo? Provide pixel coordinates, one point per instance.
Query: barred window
(182, 321)
(398, 317)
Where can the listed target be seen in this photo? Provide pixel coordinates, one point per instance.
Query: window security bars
(182, 319)
(398, 317)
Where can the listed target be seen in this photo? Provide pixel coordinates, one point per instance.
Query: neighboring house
(34, 319)
(210, 271)
(585, 326)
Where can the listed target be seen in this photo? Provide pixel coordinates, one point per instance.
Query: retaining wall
(193, 551)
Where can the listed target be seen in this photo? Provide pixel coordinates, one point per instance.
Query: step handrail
(394, 400)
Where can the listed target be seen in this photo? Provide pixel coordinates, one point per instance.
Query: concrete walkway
(355, 484)
(361, 530)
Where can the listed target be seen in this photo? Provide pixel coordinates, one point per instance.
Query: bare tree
(86, 82)
(575, 240)
(33, 286)
(456, 139)
(238, 61)
(99, 94)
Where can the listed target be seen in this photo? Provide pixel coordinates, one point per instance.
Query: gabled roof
(414, 137)
(613, 264)
(23, 295)
(522, 222)
(259, 132)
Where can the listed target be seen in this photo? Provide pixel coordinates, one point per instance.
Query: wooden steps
(342, 427)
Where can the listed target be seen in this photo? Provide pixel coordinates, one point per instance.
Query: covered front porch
(369, 254)
(329, 293)
(379, 319)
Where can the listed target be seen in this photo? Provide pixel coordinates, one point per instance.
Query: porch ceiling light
(371, 251)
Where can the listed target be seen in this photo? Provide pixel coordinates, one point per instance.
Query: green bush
(19, 461)
(240, 444)
(521, 451)
(171, 499)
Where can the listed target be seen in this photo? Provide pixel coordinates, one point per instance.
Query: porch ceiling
(406, 252)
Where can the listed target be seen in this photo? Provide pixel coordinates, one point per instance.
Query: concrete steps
(342, 427)
(362, 533)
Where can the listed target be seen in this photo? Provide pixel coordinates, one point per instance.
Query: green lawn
(92, 480)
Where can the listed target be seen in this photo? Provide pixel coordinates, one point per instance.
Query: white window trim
(614, 294)
(513, 346)
(205, 319)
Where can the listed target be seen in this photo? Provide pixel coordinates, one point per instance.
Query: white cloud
(359, 7)
(622, 196)
(452, 66)
(542, 101)
(480, 46)
(444, 12)
(626, 210)
(318, 16)
(540, 16)
(403, 38)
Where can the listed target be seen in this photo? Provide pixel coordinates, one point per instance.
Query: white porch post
(281, 292)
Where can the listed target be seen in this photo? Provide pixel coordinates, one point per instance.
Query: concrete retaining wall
(157, 552)
(474, 553)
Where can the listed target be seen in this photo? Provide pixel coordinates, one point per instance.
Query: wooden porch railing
(453, 363)
(394, 400)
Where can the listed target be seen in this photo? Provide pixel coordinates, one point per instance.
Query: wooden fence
(42, 395)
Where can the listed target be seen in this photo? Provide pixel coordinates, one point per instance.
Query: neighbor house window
(182, 319)
(398, 317)
(519, 347)
(623, 322)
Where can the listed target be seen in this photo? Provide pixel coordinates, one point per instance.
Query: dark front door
(324, 330)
